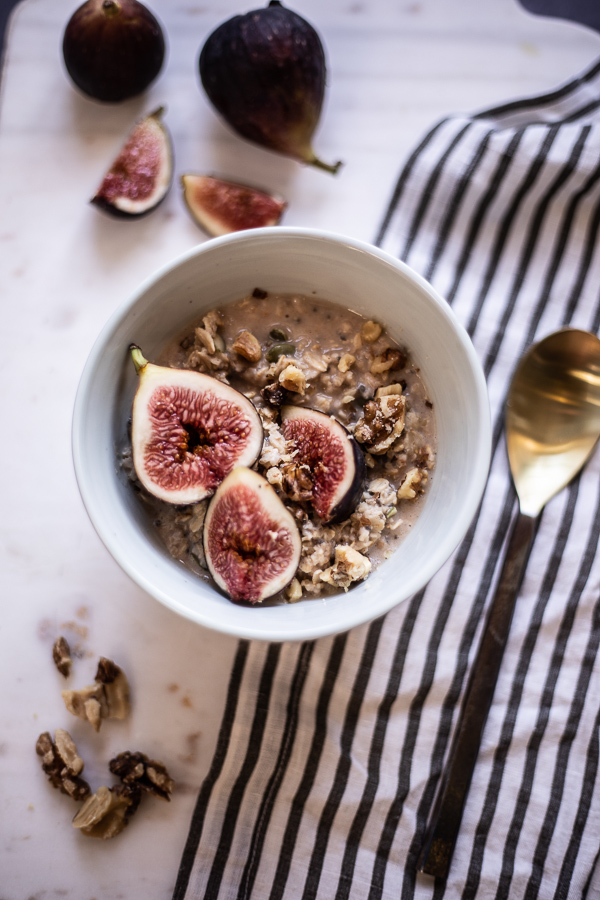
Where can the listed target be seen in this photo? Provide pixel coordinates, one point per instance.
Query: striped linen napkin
(330, 751)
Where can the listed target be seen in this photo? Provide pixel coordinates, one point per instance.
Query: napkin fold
(330, 751)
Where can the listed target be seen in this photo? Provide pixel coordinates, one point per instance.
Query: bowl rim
(462, 521)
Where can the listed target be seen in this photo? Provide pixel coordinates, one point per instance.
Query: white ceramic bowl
(336, 268)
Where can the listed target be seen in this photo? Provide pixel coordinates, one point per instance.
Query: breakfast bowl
(286, 261)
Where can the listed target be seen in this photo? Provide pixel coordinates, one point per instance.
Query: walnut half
(107, 698)
(136, 769)
(106, 813)
(62, 763)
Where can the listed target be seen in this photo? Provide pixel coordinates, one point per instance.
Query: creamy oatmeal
(287, 350)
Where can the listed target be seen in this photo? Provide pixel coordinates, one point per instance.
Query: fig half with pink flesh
(222, 207)
(336, 462)
(141, 175)
(189, 431)
(251, 541)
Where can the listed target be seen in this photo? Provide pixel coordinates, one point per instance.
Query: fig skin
(322, 443)
(140, 177)
(251, 541)
(265, 73)
(181, 447)
(222, 207)
(113, 49)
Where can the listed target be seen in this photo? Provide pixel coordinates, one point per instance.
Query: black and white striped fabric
(330, 751)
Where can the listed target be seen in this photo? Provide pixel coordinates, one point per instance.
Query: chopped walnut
(248, 346)
(62, 763)
(349, 566)
(107, 698)
(292, 379)
(370, 331)
(106, 813)
(136, 769)
(293, 592)
(297, 481)
(274, 394)
(346, 362)
(381, 424)
(413, 484)
(389, 390)
(389, 361)
(61, 654)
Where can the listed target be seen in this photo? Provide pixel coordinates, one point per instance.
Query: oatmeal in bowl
(338, 422)
(310, 434)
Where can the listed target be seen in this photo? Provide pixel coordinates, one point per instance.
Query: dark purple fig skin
(349, 501)
(113, 49)
(265, 74)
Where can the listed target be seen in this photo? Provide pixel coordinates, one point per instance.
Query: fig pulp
(141, 175)
(113, 49)
(189, 431)
(265, 74)
(334, 459)
(220, 207)
(251, 540)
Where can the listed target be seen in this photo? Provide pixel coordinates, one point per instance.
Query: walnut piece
(346, 362)
(370, 331)
(107, 698)
(61, 654)
(106, 813)
(293, 592)
(274, 394)
(382, 423)
(248, 346)
(349, 566)
(413, 484)
(136, 769)
(389, 361)
(62, 764)
(297, 482)
(292, 379)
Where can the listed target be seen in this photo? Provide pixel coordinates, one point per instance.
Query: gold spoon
(552, 426)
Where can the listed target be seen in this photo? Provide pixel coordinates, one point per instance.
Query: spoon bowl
(553, 415)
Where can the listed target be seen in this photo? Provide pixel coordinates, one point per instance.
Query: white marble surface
(395, 67)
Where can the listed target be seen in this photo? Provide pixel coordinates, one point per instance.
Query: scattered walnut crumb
(107, 698)
(61, 654)
(248, 346)
(62, 763)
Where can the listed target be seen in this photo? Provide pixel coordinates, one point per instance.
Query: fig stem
(138, 358)
(319, 164)
(110, 8)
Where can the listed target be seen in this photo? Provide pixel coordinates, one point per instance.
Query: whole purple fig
(265, 74)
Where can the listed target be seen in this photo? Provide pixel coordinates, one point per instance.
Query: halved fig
(251, 541)
(221, 207)
(141, 175)
(334, 459)
(189, 431)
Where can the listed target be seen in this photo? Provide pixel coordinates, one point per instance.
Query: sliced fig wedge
(141, 175)
(189, 431)
(251, 541)
(336, 463)
(221, 207)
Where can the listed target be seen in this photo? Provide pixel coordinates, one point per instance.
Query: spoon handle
(446, 815)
